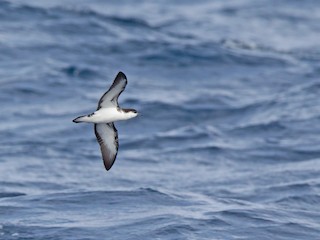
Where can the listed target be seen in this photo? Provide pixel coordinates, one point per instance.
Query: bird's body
(106, 115)
(108, 112)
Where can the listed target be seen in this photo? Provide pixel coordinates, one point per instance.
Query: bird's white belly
(106, 115)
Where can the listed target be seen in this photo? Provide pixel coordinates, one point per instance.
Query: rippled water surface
(227, 143)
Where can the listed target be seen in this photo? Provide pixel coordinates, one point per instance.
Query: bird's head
(131, 113)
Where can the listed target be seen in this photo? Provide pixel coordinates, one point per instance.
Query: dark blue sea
(227, 143)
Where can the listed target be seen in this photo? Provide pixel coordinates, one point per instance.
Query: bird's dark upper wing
(110, 98)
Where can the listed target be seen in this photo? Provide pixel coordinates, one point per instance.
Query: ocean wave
(10, 194)
(145, 196)
(59, 12)
(306, 201)
(81, 72)
(191, 131)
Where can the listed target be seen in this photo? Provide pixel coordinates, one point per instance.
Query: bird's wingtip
(122, 75)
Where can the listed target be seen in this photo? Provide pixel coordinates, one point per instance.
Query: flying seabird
(108, 111)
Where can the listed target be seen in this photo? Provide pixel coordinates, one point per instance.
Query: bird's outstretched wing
(110, 98)
(107, 136)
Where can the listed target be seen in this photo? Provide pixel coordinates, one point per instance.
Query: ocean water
(227, 143)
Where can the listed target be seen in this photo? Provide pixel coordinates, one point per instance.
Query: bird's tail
(79, 119)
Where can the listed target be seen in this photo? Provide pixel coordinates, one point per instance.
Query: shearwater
(107, 113)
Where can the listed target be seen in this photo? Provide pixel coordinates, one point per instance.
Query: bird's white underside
(108, 115)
